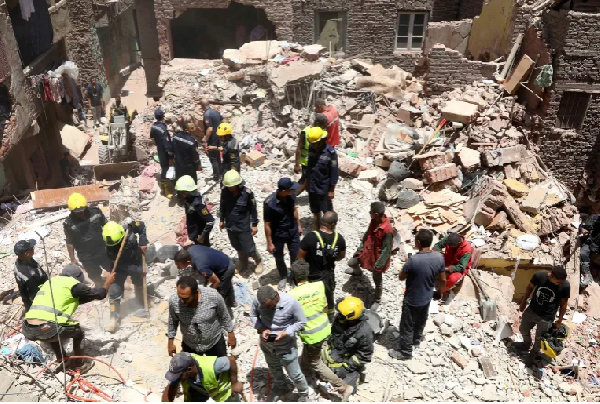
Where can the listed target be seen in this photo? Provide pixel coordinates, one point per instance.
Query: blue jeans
(293, 247)
(277, 358)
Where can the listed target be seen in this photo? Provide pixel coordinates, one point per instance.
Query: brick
(469, 158)
(459, 111)
(442, 173)
(431, 160)
(460, 360)
(507, 155)
(520, 219)
(534, 200)
(408, 114)
(349, 166)
(516, 188)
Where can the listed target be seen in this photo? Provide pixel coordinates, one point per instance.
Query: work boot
(115, 320)
(166, 192)
(398, 355)
(258, 261)
(347, 393)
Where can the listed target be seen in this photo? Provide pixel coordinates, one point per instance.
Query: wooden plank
(53, 198)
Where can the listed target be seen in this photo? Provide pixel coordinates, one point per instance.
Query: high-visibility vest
(311, 297)
(64, 303)
(304, 151)
(218, 386)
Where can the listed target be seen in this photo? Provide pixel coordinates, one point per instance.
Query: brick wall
(470, 8)
(445, 10)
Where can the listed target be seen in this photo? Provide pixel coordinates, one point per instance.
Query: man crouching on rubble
(50, 315)
(458, 254)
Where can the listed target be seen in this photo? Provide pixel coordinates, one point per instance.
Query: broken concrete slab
(408, 114)
(519, 74)
(349, 165)
(507, 155)
(412, 183)
(53, 198)
(469, 158)
(368, 175)
(459, 111)
(516, 188)
(313, 52)
(258, 52)
(75, 141)
(500, 222)
(534, 200)
(521, 220)
(293, 72)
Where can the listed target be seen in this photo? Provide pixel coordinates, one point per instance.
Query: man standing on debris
(214, 266)
(333, 121)
(278, 317)
(198, 219)
(202, 315)
(301, 156)
(28, 273)
(282, 226)
(457, 257)
(589, 232)
(212, 120)
(83, 233)
(374, 252)
(95, 100)
(164, 147)
(311, 297)
(130, 264)
(321, 249)
(322, 174)
(551, 292)
(421, 272)
(185, 149)
(230, 148)
(351, 343)
(203, 377)
(53, 307)
(239, 216)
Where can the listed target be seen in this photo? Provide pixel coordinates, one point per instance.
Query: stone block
(407, 199)
(516, 188)
(518, 75)
(408, 114)
(442, 173)
(469, 158)
(522, 221)
(313, 52)
(368, 175)
(459, 111)
(460, 360)
(412, 183)
(500, 222)
(431, 160)
(350, 166)
(534, 200)
(475, 100)
(507, 155)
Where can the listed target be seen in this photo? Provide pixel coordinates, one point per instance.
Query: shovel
(487, 306)
(144, 313)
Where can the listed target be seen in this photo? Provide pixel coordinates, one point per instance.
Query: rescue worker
(589, 232)
(164, 147)
(203, 377)
(301, 156)
(28, 273)
(83, 233)
(311, 297)
(282, 226)
(333, 121)
(129, 264)
(322, 174)
(118, 109)
(351, 343)
(198, 219)
(374, 252)
(239, 216)
(457, 259)
(185, 149)
(230, 148)
(212, 119)
(53, 308)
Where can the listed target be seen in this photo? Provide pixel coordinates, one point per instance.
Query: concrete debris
(75, 141)
(459, 111)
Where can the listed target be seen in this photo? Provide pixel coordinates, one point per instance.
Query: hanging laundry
(47, 91)
(55, 89)
(26, 9)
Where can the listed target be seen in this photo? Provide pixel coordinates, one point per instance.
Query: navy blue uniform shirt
(199, 220)
(322, 170)
(186, 153)
(162, 138)
(280, 213)
(238, 211)
(207, 261)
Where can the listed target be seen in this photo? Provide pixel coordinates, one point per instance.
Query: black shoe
(520, 347)
(416, 343)
(399, 355)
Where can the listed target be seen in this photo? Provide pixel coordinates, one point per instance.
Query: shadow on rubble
(307, 225)
(302, 199)
(361, 287)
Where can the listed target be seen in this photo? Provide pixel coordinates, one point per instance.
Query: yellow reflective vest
(311, 297)
(218, 386)
(304, 151)
(64, 303)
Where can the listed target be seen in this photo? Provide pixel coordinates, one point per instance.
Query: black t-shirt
(314, 253)
(212, 119)
(423, 269)
(547, 296)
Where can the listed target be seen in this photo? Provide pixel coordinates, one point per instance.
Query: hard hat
(548, 350)
(224, 129)
(315, 134)
(552, 340)
(351, 307)
(112, 233)
(76, 201)
(232, 178)
(186, 183)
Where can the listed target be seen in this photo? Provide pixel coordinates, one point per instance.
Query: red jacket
(454, 257)
(333, 125)
(374, 244)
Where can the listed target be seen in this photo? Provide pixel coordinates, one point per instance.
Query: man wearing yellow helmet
(301, 156)
(230, 148)
(129, 265)
(83, 234)
(351, 343)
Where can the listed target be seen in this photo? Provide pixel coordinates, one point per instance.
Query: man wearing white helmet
(198, 219)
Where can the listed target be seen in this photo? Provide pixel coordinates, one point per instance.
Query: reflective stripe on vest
(64, 303)
(218, 386)
(304, 151)
(335, 239)
(311, 297)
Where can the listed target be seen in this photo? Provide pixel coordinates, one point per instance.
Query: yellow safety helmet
(186, 183)
(112, 233)
(315, 134)
(232, 178)
(351, 307)
(224, 129)
(76, 201)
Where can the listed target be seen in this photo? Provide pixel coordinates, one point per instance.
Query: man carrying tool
(282, 226)
(374, 252)
(126, 254)
(50, 317)
(198, 219)
(322, 249)
(322, 174)
(83, 233)
(203, 377)
(185, 150)
(164, 147)
(230, 148)
(311, 297)
(214, 266)
(212, 120)
(457, 257)
(301, 155)
(333, 121)
(239, 216)
(351, 344)
(202, 315)
(28, 273)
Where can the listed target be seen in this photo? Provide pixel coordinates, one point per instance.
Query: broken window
(330, 29)
(572, 109)
(410, 33)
